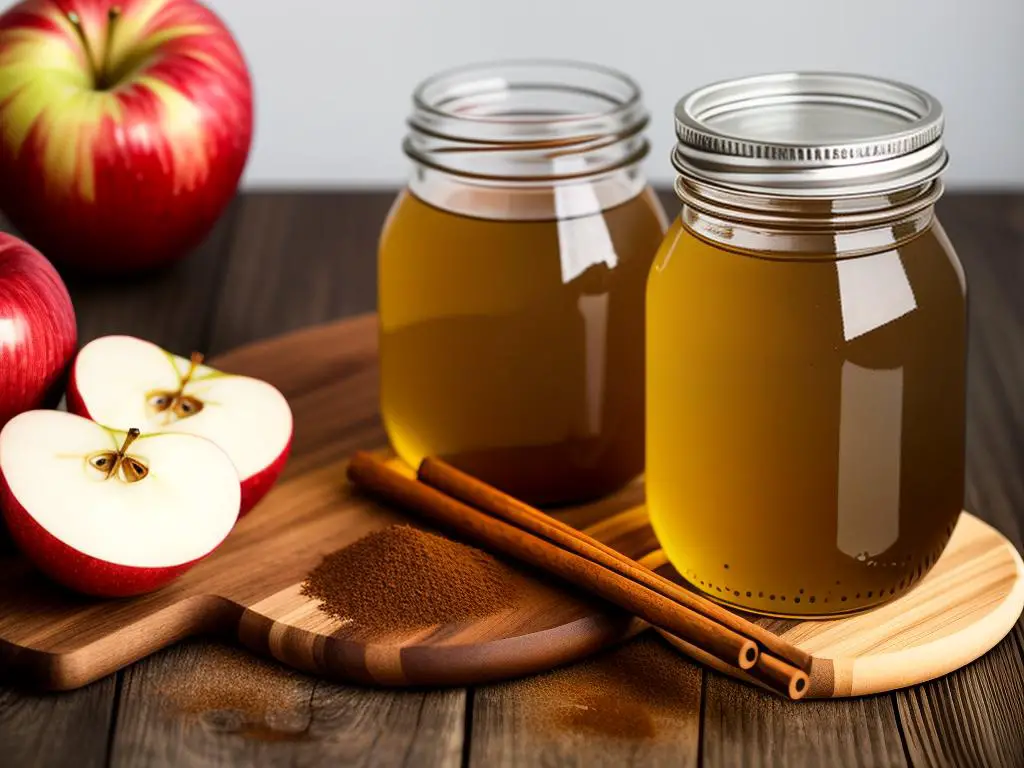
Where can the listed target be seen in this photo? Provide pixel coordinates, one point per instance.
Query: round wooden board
(965, 605)
(250, 588)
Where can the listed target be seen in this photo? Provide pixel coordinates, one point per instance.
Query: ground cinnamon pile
(642, 690)
(401, 578)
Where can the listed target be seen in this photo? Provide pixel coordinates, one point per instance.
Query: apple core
(176, 405)
(130, 469)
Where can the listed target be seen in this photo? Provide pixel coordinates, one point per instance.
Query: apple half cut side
(123, 382)
(109, 513)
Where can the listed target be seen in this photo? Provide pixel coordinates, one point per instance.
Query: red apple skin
(38, 333)
(142, 190)
(74, 569)
(254, 487)
(257, 486)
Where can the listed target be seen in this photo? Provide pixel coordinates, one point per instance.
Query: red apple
(121, 382)
(37, 330)
(124, 128)
(112, 513)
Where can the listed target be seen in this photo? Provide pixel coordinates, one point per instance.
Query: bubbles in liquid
(718, 310)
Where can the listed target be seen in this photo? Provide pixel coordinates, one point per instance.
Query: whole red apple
(37, 329)
(125, 126)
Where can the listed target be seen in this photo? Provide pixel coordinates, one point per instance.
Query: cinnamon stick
(780, 676)
(496, 535)
(453, 482)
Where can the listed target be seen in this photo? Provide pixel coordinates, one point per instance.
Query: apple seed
(109, 462)
(177, 405)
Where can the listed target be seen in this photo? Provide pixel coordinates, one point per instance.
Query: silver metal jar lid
(809, 134)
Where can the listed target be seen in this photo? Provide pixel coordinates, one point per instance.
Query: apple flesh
(109, 513)
(37, 329)
(122, 381)
(125, 126)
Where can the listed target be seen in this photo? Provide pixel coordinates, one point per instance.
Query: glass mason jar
(806, 346)
(512, 279)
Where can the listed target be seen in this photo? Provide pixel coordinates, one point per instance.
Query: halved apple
(113, 513)
(123, 382)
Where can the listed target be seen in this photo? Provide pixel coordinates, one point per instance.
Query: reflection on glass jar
(806, 347)
(512, 280)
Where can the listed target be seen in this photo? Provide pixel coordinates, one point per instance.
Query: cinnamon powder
(231, 691)
(401, 578)
(643, 690)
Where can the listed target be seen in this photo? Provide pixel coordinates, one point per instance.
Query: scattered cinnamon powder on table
(642, 690)
(231, 691)
(401, 578)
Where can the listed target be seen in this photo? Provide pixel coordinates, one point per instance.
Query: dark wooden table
(277, 262)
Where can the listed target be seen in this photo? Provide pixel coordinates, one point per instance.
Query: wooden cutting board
(249, 590)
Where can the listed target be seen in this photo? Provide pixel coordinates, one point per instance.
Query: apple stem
(194, 362)
(76, 22)
(113, 16)
(100, 69)
(129, 438)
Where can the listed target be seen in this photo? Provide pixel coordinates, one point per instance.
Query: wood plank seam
(899, 728)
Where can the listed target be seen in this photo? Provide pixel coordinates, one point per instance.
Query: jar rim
(542, 120)
(470, 103)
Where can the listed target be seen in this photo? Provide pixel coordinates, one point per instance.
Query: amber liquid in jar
(514, 349)
(807, 455)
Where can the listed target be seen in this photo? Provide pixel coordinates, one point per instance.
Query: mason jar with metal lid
(806, 337)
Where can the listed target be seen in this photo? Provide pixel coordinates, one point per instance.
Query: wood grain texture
(56, 731)
(296, 261)
(973, 717)
(200, 704)
(746, 726)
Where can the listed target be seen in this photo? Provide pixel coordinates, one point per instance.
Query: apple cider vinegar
(512, 309)
(806, 349)
(493, 360)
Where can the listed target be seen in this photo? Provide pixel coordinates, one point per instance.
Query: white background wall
(333, 77)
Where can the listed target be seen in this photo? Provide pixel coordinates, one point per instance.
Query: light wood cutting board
(249, 589)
